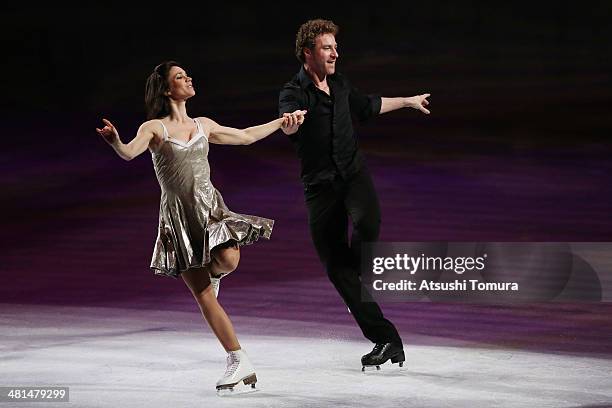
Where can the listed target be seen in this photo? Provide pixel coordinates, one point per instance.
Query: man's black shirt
(325, 142)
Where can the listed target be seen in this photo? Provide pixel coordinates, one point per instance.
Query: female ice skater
(199, 238)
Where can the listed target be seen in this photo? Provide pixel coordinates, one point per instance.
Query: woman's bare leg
(198, 282)
(225, 260)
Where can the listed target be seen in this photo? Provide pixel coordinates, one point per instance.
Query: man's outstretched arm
(417, 102)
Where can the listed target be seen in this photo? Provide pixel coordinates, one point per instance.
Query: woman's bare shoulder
(207, 123)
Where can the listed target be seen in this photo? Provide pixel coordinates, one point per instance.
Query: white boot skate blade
(238, 389)
(216, 284)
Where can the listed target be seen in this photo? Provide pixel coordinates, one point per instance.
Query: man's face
(322, 59)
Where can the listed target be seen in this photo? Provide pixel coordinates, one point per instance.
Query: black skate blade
(370, 368)
(387, 365)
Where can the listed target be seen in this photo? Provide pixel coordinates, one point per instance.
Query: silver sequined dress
(193, 219)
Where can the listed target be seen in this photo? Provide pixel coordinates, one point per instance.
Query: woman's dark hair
(157, 105)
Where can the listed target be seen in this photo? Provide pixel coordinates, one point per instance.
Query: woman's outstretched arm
(230, 136)
(139, 144)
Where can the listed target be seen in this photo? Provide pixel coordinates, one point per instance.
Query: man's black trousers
(330, 204)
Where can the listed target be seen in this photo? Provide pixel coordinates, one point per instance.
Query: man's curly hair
(309, 31)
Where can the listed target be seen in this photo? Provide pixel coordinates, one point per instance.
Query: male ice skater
(337, 184)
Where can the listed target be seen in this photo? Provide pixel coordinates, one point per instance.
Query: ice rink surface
(121, 357)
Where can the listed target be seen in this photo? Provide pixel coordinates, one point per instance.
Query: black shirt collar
(305, 79)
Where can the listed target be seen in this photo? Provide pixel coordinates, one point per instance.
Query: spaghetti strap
(165, 130)
(200, 127)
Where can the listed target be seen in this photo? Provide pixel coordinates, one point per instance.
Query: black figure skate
(381, 353)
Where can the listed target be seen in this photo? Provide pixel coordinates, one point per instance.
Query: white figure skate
(239, 370)
(216, 284)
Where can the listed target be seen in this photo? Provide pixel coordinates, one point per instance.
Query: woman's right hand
(108, 132)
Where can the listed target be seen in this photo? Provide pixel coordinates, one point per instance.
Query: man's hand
(418, 102)
(293, 121)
